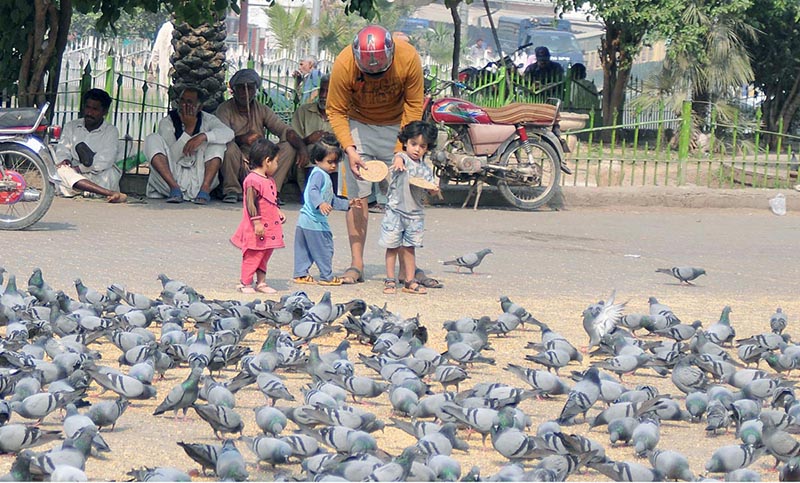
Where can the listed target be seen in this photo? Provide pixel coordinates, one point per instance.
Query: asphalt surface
(578, 250)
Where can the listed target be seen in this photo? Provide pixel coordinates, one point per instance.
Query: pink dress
(245, 236)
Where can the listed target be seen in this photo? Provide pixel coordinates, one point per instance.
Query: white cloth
(188, 170)
(104, 141)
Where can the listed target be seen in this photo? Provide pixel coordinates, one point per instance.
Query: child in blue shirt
(313, 240)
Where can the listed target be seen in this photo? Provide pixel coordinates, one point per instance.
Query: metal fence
(651, 147)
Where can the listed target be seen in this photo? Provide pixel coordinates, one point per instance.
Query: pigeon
(204, 454)
(68, 473)
(161, 473)
(683, 274)
(470, 260)
(672, 465)
(646, 437)
(397, 469)
(790, 471)
(271, 450)
(17, 437)
(182, 396)
(600, 319)
(721, 332)
(220, 418)
(732, 457)
(627, 471)
(777, 321)
(543, 382)
(659, 309)
(270, 420)
(106, 413)
(230, 463)
(582, 397)
(445, 468)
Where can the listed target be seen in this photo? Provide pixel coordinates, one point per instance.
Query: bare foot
(117, 198)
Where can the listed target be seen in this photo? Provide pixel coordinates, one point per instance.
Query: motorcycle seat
(18, 117)
(523, 113)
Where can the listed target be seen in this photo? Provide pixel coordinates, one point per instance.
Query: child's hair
(326, 145)
(415, 128)
(261, 150)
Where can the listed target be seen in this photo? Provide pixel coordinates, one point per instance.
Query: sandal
(264, 288)
(334, 282)
(245, 288)
(389, 286)
(175, 196)
(414, 287)
(305, 280)
(202, 198)
(349, 279)
(427, 281)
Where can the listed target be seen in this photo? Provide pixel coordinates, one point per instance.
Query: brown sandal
(348, 277)
(414, 287)
(389, 286)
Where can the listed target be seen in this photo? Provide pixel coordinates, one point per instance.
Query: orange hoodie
(395, 97)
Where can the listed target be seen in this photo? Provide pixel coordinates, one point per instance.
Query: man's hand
(194, 144)
(325, 208)
(315, 136)
(302, 157)
(188, 111)
(355, 161)
(248, 139)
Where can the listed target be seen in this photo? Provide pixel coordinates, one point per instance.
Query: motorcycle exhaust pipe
(31, 195)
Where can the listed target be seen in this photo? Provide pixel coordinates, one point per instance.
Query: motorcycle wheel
(538, 180)
(29, 206)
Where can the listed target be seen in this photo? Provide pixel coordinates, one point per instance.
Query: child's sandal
(245, 288)
(389, 286)
(305, 280)
(414, 287)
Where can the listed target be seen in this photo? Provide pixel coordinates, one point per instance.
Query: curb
(644, 196)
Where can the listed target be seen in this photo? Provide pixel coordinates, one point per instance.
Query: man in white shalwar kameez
(186, 152)
(87, 152)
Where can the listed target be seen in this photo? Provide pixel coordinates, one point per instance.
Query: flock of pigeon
(49, 363)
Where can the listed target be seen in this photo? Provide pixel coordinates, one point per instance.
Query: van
(563, 45)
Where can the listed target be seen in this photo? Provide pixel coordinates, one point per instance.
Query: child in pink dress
(260, 231)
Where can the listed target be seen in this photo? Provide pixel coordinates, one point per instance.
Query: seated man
(249, 119)
(543, 70)
(311, 122)
(87, 152)
(186, 153)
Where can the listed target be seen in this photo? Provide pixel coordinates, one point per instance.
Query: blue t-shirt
(319, 189)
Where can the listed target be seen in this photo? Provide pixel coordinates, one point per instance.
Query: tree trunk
(457, 40)
(199, 61)
(616, 56)
(47, 41)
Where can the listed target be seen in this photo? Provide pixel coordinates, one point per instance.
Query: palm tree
(336, 30)
(291, 28)
(707, 62)
(199, 60)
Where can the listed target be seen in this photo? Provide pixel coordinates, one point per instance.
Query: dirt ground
(141, 439)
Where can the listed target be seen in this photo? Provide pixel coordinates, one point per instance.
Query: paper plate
(375, 171)
(422, 183)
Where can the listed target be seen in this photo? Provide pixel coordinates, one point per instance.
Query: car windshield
(555, 41)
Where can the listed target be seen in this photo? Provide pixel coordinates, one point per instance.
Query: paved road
(584, 252)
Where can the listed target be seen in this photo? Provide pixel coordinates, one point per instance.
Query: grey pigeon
(683, 274)
(37, 406)
(582, 397)
(204, 454)
(790, 471)
(646, 437)
(397, 469)
(551, 359)
(627, 471)
(230, 463)
(672, 465)
(181, 396)
(543, 382)
(621, 430)
(659, 309)
(161, 473)
(270, 420)
(732, 457)
(470, 260)
(106, 413)
(221, 419)
(464, 354)
(717, 416)
(778, 321)
(271, 450)
(600, 319)
(444, 467)
(68, 473)
(721, 332)
(16, 437)
(744, 474)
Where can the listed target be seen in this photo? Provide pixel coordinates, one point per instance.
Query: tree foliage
(139, 24)
(628, 26)
(776, 59)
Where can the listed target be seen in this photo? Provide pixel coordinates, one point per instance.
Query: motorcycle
(516, 148)
(28, 174)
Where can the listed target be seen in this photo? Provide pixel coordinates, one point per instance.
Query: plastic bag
(778, 204)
